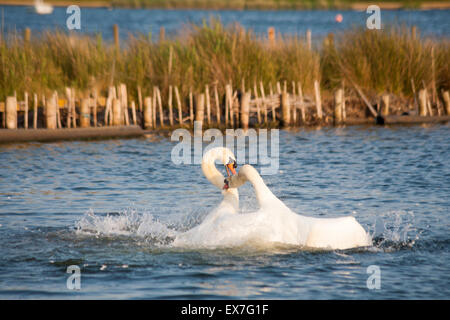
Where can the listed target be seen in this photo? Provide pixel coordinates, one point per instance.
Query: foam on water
(126, 223)
(394, 230)
(390, 231)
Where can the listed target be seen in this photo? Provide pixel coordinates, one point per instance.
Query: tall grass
(378, 61)
(385, 60)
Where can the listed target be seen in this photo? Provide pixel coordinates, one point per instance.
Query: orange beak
(230, 168)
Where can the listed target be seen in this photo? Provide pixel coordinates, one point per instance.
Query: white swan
(230, 202)
(291, 228)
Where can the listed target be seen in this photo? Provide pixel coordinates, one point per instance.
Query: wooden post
(170, 106)
(50, 113)
(170, 60)
(27, 35)
(245, 109)
(116, 36)
(68, 106)
(116, 113)
(139, 97)
(35, 111)
(94, 107)
(161, 114)
(208, 105)
(258, 110)
(180, 110)
(154, 107)
(94, 101)
(274, 114)
(318, 99)
(230, 104)
(58, 115)
(416, 104)
(285, 109)
(385, 105)
(11, 112)
(123, 96)
(234, 109)
(227, 105)
(109, 106)
(264, 105)
(427, 98)
(191, 107)
(338, 101)
(446, 97)
(364, 98)
(26, 110)
(308, 39)
(422, 103)
(344, 111)
(216, 96)
(433, 82)
(74, 111)
(133, 112)
(108, 111)
(148, 119)
(271, 35)
(85, 115)
(302, 105)
(200, 107)
(294, 109)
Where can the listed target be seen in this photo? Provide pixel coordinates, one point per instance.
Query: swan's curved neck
(214, 176)
(210, 171)
(263, 194)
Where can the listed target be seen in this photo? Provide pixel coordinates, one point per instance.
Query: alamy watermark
(374, 280)
(74, 280)
(374, 20)
(251, 146)
(74, 20)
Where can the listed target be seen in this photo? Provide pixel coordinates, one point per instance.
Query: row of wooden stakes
(234, 109)
(238, 107)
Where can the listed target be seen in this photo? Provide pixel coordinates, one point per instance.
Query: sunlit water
(113, 207)
(145, 21)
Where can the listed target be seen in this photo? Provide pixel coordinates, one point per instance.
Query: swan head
(231, 166)
(228, 160)
(237, 180)
(231, 171)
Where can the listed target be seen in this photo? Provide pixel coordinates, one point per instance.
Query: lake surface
(321, 22)
(111, 207)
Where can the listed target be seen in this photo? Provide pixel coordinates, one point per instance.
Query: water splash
(394, 230)
(129, 223)
(391, 231)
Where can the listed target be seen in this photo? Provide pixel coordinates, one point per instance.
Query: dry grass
(385, 60)
(379, 61)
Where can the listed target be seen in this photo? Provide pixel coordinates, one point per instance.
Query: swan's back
(337, 233)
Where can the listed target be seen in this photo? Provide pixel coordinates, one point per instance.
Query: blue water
(108, 207)
(321, 22)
